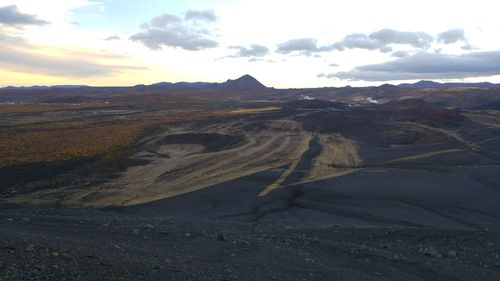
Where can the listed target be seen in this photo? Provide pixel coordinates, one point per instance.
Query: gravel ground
(70, 244)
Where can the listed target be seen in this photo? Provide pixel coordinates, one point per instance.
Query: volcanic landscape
(237, 181)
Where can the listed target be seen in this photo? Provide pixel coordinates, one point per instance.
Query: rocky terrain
(62, 244)
(236, 181)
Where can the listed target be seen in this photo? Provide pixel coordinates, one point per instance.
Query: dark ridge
(425, 84)
(244, 83)
(316, 103)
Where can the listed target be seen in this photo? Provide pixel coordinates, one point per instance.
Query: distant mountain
(25, 88)
(178, 85)
(386, 89)
(68, 86)
(36, 87)
(424, 84)
(249, 83)
(244, 83)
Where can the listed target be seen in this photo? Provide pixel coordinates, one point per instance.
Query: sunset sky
(284, 44)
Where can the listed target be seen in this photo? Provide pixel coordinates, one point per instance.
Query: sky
(284, 44)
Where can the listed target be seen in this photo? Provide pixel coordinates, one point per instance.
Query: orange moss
(58, 145)
(51, 142)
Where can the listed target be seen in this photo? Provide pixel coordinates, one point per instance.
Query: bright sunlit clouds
(282, 43)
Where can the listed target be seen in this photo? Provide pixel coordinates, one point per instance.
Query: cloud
(171, 31)
(356, 40)
(302, 45)
(305, 46)
(428, 66)
(467, 47)
(333, 64)
(261, 60)
(400, 54)
(452, 36)
(19, 56)
(162, 21)
(382, 39)
(111, 38)
(386, 49)
(387, 36)
(254, 51)
(204, 15)
(10, 15)
(23, 61)
(177, 38)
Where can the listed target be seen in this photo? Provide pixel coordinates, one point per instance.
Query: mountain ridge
(249, 83)
(428, 84)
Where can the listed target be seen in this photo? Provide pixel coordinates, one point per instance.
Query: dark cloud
(428, 66)
(162, 21)
(178, 38)
(356, 40)
(305, 46)
(467, 47)
(171, 31)
(400, 54)
(382, 39)
(16, 55)
(301, 45)
(254, 51)
(387, 36)
(452, 36)
(386, 49)
(204, 15)
(10, 15)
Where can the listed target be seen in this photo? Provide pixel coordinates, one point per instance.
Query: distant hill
(244, 83)
(386, 89)
(424, 84)
(249, 83)
(36, 87)
(176, 86)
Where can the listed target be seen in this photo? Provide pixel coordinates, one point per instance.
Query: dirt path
(423, 155)
(299, 153)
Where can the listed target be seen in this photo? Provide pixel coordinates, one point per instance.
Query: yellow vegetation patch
(338, 157)
(255, 110)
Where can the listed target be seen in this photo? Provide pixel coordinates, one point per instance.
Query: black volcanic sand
(71, 174)
(430, 223)
(436, 224)
(446, 198)
(379, 223)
